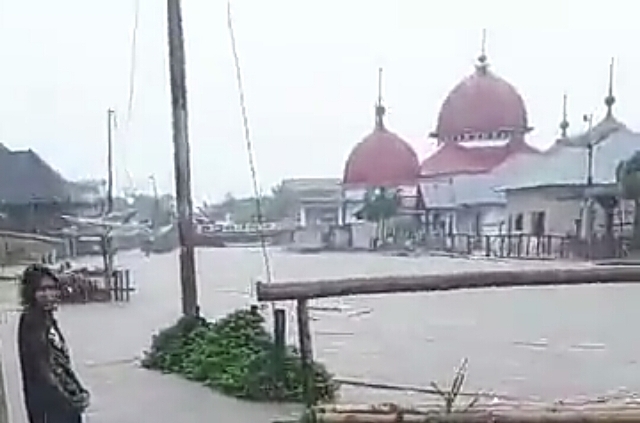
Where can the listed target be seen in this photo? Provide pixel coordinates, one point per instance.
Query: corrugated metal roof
(300, 184)
(461, 190)
(566, 163)
(27, 178)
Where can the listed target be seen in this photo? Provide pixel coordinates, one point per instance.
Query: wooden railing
(302, 292)
(527, 246)
(85, 287)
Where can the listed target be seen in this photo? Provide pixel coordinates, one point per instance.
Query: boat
(232, 234)
(162, 240)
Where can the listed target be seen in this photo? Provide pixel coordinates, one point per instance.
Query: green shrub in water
(236, 356)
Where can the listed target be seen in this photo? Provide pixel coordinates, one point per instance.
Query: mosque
(484, 178)
(481, 124)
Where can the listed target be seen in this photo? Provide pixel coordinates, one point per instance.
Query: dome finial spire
(380, 110)
(482, 59)
(610, 100)
(564, 124)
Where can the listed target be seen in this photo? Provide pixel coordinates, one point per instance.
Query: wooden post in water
(181, 158)
(306, 352)
(127, 276)
(117, 285)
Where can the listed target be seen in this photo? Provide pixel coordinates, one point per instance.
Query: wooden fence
(86, 287)
(528, 246)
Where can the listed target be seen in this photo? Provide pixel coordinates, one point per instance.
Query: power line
(249, 146)
(131, 89)
(132, 63)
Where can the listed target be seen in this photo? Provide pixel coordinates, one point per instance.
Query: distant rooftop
(26, 178)
(303, 184)
(566, 163)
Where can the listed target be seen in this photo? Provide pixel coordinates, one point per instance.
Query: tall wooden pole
(156, 202)
(181, 158)
(106, 239)
(589, 218)
(110, 115)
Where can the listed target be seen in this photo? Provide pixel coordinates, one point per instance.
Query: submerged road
(547, 342)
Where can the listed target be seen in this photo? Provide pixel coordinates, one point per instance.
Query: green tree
(229, 200)
(628, 178)
(281, 204)
(380, 205)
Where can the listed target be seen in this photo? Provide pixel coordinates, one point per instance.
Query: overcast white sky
(310, 70)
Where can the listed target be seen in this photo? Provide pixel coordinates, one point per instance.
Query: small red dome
(381, 159)
(482, 103)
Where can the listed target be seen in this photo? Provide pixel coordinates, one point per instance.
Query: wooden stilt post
(306, 352)
(279, 329)
(117, 283)
(279, 336)
(127, 276)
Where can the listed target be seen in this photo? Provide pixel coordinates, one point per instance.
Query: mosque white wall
(483, 219)
(561, 207)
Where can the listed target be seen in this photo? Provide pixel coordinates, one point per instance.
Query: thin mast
(156, 201)
(181, 158)
(110, 115)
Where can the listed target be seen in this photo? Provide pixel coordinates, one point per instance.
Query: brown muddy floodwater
(544, 342)
(549, 342)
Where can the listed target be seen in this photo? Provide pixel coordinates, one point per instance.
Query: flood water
(546, 342)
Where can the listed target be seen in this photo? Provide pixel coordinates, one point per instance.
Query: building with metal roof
(560, 192)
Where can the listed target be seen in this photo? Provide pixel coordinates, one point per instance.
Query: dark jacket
(46, 400)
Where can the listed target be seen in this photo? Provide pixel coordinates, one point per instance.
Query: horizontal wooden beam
(25, 236)
(624, 416)
(504, 278)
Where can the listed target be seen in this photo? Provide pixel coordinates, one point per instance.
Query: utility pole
(156, 202)
(106, 238)
(589, 120)
(589, 217)
(181, 158)
(110, 116)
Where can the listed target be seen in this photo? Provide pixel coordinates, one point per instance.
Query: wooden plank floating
(621, 416)
(503, 278)
(525, 413)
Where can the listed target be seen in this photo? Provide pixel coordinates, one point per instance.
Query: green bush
(236, 356)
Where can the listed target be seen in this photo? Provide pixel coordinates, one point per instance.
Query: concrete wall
(488, 217)
(341, 237)
(13, 251)
(318, 215)
(362, 234)
(310, 237)
(491, 218)
(561, 210)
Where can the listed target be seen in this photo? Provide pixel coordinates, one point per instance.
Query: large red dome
(381, 159)
(482, 106)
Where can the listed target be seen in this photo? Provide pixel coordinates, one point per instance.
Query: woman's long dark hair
(30, 282)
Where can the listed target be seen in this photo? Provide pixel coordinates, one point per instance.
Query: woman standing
(52, 391)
